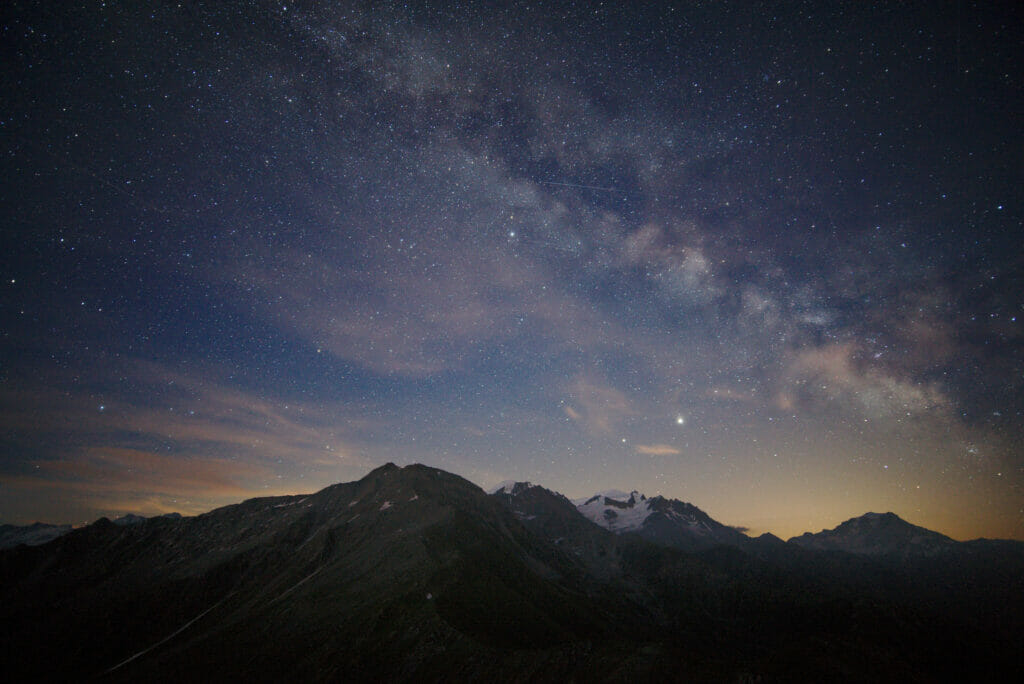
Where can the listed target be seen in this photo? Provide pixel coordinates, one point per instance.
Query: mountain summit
(657, 519)
(874, 534)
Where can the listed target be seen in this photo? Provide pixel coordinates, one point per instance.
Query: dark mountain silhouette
(876, 534)
(132, 519)
(415, 574)
(398, 575)
(556, 519)
(41, 533)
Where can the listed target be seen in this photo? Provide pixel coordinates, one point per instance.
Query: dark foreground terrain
(417, 574)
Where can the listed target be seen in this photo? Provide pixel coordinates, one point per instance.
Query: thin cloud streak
(657, 450)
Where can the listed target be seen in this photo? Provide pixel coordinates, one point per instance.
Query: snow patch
(290, 503)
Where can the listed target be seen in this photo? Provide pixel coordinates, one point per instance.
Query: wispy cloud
(597, 405)
(177, 437)
(657, 450)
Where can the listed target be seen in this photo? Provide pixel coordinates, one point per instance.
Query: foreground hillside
(416, 574)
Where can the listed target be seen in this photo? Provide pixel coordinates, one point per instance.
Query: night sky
(762, 258)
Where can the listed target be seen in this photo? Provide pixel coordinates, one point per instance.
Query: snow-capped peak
(511, 487)
(616, 510)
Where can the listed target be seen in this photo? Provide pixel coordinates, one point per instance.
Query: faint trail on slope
(296, 585)
(169, 636)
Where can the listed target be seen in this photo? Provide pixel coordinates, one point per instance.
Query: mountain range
(30, 535)
(415, 574)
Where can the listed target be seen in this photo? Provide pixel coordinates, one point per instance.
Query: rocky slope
(415, 574)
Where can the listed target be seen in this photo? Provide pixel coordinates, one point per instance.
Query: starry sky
(761, 257)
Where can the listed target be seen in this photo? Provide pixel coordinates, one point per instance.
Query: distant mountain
(660, 520)
(415, 574)
(41, 533)
(877, 534)
(133, 519)
(30, 535)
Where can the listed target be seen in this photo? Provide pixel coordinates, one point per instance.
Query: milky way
(765, 260)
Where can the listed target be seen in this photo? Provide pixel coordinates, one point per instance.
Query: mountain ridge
(684, 525)
(594, 507)
(413, 574)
